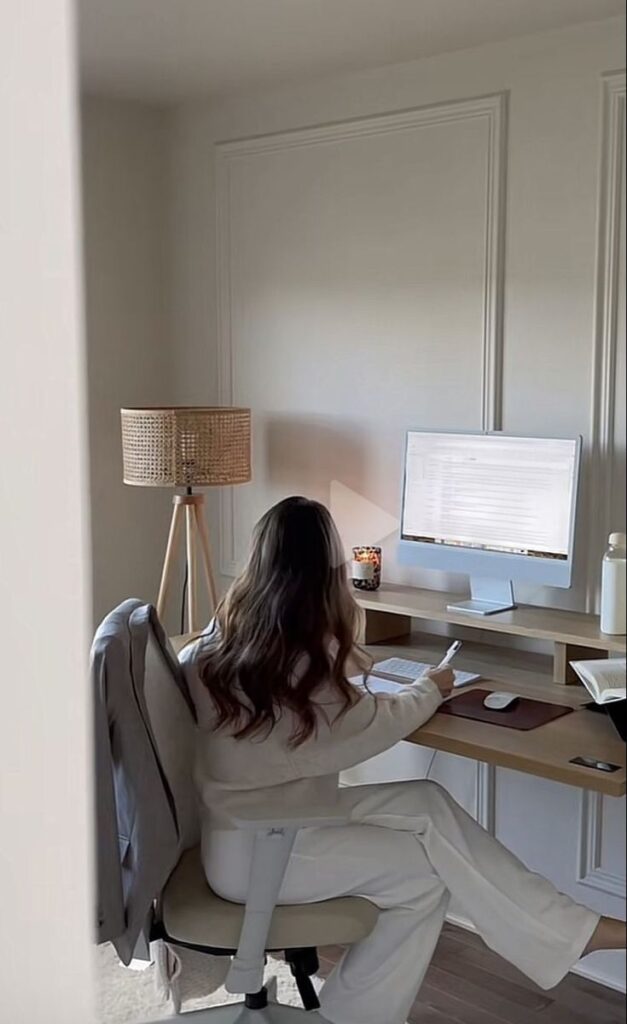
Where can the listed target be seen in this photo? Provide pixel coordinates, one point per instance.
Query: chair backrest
(173, 727)
(143, 802)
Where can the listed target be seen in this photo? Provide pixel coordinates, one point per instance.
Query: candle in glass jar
(366, 568)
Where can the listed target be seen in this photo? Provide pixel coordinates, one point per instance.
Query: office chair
(189, 915)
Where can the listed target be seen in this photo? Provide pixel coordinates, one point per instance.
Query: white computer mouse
(501, 701)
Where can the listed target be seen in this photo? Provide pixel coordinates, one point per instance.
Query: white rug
(128, 996)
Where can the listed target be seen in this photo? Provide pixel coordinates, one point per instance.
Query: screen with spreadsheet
(491, 492)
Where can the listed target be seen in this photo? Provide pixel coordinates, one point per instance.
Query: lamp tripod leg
(205, 548)
(192, 582)
(170, 558)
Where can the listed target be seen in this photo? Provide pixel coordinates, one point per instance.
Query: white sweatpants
(410, 848)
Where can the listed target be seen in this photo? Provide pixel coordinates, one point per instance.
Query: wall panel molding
(603, 412)
(492, 109)
(603, 404)
(590, 871)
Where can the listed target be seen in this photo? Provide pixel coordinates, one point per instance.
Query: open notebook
(403, 672)
(377, 684)
(407, 671)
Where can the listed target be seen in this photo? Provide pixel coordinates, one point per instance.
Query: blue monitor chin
(497, 507)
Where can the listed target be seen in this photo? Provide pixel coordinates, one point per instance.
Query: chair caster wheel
(258, 1001)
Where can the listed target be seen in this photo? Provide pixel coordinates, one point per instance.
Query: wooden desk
(546, 751)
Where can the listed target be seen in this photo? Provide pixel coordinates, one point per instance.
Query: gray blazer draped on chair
(140, 834)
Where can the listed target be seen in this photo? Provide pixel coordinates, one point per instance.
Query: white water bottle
(613, 586)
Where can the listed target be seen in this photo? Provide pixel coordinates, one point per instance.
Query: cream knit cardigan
(266, 769)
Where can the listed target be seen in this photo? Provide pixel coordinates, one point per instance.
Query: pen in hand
(441, 675)
(450, 654)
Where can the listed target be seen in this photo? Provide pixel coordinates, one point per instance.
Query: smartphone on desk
(592, 762)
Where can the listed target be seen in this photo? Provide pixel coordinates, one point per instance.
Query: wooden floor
(468, 984)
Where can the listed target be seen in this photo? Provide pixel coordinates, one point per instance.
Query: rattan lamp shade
(186, 447)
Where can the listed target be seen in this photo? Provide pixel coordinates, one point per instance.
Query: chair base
(238, 1014)
(304, 964)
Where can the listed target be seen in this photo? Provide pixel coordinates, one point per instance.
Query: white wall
(125, 153)
(45, 777)
(549, 294)
(338, 280)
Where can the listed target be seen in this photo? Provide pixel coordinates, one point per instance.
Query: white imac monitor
(497, 507)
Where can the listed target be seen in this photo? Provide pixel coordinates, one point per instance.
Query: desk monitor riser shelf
(574, 635)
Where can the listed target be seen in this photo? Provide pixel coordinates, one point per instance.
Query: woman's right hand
(444, 679)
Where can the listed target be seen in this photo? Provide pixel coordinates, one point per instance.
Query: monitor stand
(488, 597)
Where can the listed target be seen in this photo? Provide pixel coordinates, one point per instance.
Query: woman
(279, 720)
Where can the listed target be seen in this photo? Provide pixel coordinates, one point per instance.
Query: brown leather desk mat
(526, 714)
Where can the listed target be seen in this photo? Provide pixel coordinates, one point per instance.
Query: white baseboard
(600, 975)
(592, 969)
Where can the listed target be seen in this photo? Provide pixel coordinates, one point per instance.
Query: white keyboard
(410, 670)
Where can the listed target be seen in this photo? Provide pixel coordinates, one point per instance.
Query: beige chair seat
(192, 913)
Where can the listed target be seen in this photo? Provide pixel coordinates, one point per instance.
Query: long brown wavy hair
(286, 626)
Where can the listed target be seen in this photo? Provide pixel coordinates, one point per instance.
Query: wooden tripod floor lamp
(187, 448)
